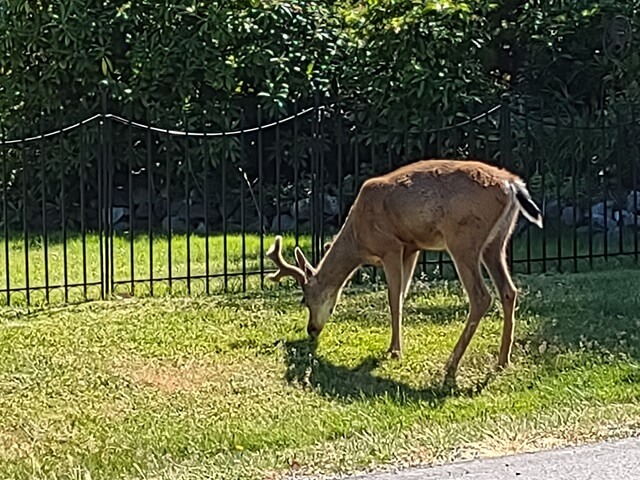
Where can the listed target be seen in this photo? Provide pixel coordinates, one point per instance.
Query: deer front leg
(393, 269)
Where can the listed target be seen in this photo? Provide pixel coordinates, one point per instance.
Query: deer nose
(312, 331)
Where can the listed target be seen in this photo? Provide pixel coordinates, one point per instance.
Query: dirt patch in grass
(14, 444)
(184, 376)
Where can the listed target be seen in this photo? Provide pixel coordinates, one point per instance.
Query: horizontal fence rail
(111, 205)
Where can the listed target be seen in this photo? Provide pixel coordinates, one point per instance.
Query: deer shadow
(305, 367)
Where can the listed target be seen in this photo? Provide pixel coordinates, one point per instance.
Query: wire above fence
(230, 133)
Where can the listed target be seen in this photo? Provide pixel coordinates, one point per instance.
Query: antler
(284, 269)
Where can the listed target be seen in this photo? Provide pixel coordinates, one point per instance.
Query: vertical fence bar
(405, 133)
(243, 181)
(574, 195)
(65, 253)
(150, 201)
(278, 173)
(340, 166)
(634, 176)
(529, 145)
(604, 188)
(505, 153)
(619, 141)
(587, 168)
(559, 180)
(5, 220)
(45, 239)
(543, 171)
(100, 155)
(261, 194)
(389, 144)
(486, 134)
(374, 270)
(223, 174)
(356, 178)
(314, 187)
(187, 199)
(296, 172)
(106, 211)
(207, 252)
(25, 221)
(83, 227)
(149, 169)
(438, 153)
(321, 193)
(110, 174)
(132, 213)
(169, 226)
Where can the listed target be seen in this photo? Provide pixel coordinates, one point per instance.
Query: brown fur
(467, 208)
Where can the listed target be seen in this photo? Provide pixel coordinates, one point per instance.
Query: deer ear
(326, 247)
(303, 263)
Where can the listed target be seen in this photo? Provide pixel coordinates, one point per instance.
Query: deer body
(467, 208)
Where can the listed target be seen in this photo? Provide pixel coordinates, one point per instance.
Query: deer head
(319, 298)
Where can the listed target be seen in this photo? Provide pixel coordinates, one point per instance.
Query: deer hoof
(394, 353)
(502, 366)
(449, 382)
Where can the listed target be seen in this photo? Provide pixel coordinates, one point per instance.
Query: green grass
(229, 387)
(151, 259)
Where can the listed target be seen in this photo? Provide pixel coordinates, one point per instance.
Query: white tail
(467, 208)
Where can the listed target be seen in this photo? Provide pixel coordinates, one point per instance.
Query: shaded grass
(229, 387)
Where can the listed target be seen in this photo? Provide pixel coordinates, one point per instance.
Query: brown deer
(467, 208)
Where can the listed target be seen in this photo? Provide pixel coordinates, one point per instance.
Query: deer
(467, 208)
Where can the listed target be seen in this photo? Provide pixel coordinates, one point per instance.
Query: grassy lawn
(229, 387)
(143, 259)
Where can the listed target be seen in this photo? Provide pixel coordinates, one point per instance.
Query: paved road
(618, 460)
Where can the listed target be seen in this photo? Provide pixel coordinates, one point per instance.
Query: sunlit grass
(228, 386)
(233, 262)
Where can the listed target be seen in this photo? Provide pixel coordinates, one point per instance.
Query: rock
(633, 201)
(254, 225)
(120, 197)
(117, 213)
(599, 208)
(178, 225)
(121, 227)
(304, 209)
(142, 211)
(287, 223)
(330, 205)
(551, 209)
(570, 216)
(176, 206)
(141, 195)
(195, 211)
(201, 229)
(598, 222)
(623, 217)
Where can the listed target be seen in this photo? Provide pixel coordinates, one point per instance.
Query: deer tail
(528, 207)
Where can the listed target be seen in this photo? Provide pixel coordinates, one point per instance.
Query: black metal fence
(117, 206)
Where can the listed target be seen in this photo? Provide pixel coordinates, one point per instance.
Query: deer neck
(339, 263)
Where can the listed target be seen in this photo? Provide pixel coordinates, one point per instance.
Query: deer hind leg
(408, 267)
(494, 260)
(467, 263)
(394, 272)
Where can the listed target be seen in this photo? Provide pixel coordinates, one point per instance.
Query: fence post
(105, 200)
